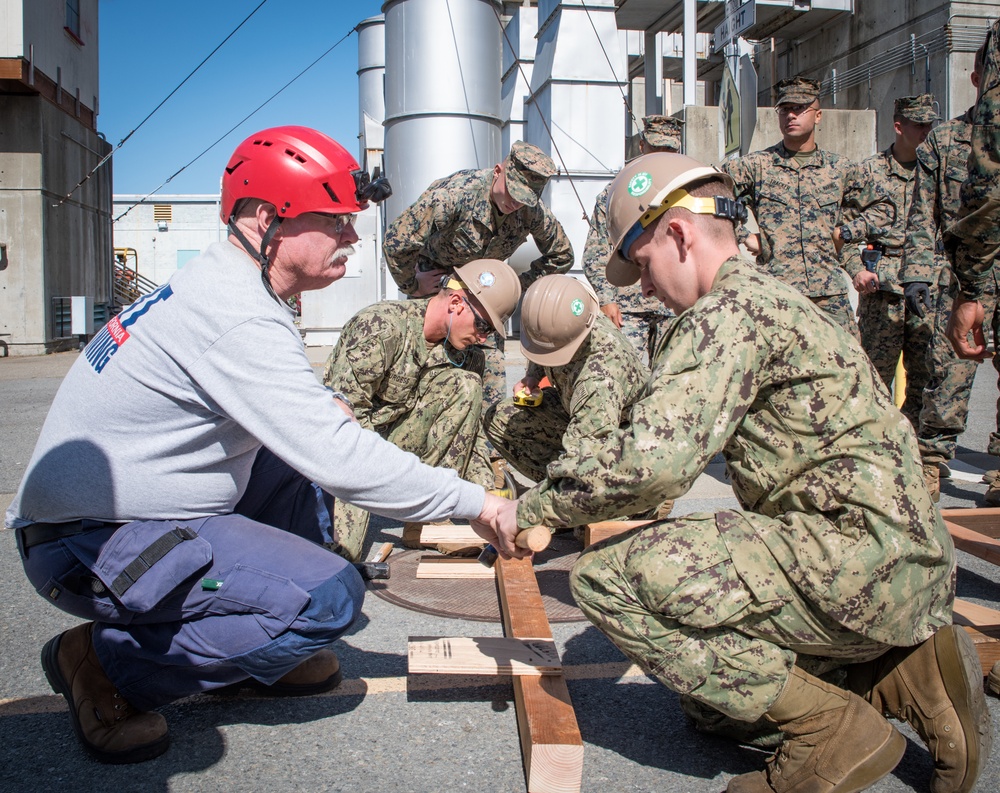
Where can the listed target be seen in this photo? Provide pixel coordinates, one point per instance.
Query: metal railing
(129, 284)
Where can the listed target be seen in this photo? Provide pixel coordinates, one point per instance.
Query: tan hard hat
(495, 285)
(643, 184)
(556, 318)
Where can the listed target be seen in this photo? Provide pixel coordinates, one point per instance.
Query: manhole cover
(477, 599)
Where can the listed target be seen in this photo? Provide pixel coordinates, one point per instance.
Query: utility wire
(110, 154)
(236, 125)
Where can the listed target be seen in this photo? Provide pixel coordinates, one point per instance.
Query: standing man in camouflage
(942, 165)
(797, 193)
(887, 327)
(479, 214)
(596, 376)
(838, 556)
(413, 373)
(635, 315)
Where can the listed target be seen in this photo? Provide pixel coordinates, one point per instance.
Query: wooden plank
(988, 648)
(550, 736)
(449, 567)
(985, 520)
(595, 532)
(432, 534)
(975, 543)
(485, 655)
(981, 617)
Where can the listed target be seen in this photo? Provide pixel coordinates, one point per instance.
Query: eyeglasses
(794, 110)
(483, 328)
(339, 223)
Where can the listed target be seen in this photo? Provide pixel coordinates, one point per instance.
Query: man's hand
(613, 312)
(918, 297)
(497, 524)
(529, 384)
(838, 241)
(866, 281)
(428, 283)
(967, 317)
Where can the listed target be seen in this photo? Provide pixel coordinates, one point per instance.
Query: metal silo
(371, 86)
(442, 92)
(518, 61)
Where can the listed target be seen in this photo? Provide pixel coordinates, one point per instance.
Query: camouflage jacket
(454, 221)
(896, 182)
(811, 440)
(942, 165)
(975, 235)
(798, 208)
(596, 253)
(380, 356)
(597, 387)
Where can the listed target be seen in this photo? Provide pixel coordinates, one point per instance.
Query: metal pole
(690, 51)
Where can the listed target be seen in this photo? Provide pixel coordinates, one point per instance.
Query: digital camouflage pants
(443, 429)
(888, 330)
(701, 604)
(839, 309)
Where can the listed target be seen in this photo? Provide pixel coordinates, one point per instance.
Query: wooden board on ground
(983, 625)
(432, 534)
(985, 520)
(550, 735)
(974, 542)
(595, 532)
(451, 567)
(488, 655)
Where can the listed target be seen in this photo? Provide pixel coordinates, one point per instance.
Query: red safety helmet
(298, 170)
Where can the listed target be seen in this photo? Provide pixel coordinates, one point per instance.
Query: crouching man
(838, 555)
(177, 495)
(413, 373)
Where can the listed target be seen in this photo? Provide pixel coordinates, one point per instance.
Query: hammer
(537, 538)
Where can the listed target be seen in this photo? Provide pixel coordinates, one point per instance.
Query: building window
(184, 256)
(73, 19)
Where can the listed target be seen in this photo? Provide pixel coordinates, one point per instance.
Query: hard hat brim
(621, 272)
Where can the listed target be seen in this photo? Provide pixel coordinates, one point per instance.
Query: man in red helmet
(179, 492)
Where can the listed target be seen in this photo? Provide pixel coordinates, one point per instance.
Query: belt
(38, 533)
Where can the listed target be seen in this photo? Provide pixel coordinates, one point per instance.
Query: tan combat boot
(932, 478)
(411, 535)
(835, 742)
(109, 728)
(936, 686)
(992, 497)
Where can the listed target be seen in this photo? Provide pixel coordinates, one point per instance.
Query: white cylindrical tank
(371, 83)
(518, 61)
(442, 92)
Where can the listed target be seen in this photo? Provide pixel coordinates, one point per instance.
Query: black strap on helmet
(731, 209)
(260, 256)
(368, 189)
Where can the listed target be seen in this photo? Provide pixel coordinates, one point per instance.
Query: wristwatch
(845, 234)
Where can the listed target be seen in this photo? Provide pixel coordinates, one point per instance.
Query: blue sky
(147, 48)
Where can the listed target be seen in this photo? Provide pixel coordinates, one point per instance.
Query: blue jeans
(177, 630)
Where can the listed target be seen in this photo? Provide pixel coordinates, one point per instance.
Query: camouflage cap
(526, 172)
(918, 109)
(662, 132)
(797, 91)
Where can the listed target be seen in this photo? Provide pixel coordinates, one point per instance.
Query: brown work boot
(932, 478)
(835, 742)
(411, 535)
(109, 728)
(936, 686)
(992, 497)
(319, 673)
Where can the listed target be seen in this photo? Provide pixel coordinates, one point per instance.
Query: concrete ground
(382, 730)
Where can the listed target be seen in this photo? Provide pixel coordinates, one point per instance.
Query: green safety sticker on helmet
(640, 184)
(576, 307)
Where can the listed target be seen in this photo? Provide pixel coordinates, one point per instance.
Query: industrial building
(571, 77)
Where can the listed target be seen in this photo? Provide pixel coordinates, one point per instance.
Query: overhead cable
(110, 154)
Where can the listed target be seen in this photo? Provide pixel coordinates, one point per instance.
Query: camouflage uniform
(942, 165)
(454, 222)
(642, 317)
(409, 392)
(798, 203)
(589, 399)
(887, 327)
(838, 551)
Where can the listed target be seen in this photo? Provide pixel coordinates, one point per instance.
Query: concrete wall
(194, 224)
(52, 248)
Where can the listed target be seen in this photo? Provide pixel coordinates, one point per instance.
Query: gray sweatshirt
(164, 412)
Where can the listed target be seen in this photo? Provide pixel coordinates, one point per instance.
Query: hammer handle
(537, 538)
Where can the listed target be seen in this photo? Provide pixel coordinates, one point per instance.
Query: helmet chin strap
(260, 256)
(457, 364)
